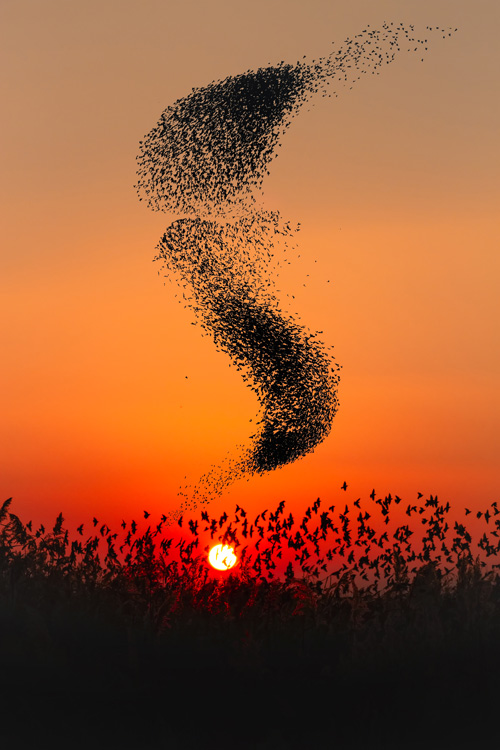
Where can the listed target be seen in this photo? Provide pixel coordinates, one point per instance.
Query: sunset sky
(111, 399)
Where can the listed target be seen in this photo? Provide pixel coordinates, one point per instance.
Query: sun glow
(222, 557)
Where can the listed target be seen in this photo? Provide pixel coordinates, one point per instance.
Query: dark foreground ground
(409, 679)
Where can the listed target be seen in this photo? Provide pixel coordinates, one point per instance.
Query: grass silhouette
(375, 625)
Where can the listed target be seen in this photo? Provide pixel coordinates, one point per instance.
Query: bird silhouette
(205, 160)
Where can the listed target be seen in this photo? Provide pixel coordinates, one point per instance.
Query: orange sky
(395, 184)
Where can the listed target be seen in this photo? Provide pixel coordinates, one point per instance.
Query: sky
(111, 399)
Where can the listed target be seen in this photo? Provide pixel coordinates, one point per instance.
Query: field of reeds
(369, 625)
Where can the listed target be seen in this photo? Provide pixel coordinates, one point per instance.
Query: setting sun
(222, 557)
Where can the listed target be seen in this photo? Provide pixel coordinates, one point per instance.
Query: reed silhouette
(367, 624)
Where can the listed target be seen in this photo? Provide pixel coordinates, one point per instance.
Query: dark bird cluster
(212, 148)
(284, 363)
(206, 158)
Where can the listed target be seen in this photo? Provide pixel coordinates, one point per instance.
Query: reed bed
(370, 624)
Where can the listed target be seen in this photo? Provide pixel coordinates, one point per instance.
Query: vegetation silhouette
(372, 625)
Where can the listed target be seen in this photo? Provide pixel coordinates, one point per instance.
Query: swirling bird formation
(206, 160)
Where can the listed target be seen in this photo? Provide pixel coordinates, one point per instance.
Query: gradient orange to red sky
(111, 399)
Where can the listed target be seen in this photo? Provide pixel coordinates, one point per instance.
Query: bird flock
(205, 160)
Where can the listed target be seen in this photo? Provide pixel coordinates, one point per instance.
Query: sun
(222, 557)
